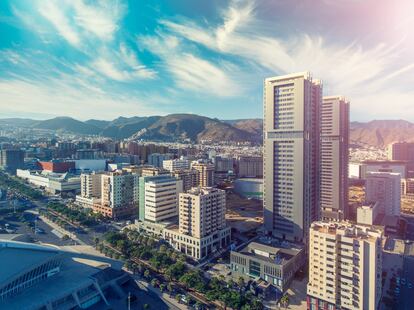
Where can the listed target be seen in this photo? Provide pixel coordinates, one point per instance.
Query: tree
(146, 306)
(154, 282)
(162, 287)
(241, 283)
(170, 288)
(146, 273)
(284, 301)
(178, 298)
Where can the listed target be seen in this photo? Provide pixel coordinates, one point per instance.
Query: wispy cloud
(54, 13)
(101, 19)
(190, 71)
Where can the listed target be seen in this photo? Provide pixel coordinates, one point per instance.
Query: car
(410, 285)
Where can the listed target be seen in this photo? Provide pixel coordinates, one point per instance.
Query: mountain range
(196, 128)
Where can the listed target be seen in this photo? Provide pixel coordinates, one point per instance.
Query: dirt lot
(243, 214)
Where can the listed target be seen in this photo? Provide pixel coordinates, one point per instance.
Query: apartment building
(205, 173)
(384, 188)
(345, 266)
(291, 154)
(334, 157)
(158, 198)
(202, 228)
(120, 194)
(190, 177)
(176, 164)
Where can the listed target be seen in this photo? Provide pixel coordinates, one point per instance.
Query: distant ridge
(196, 128)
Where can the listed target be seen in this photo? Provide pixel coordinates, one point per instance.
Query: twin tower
(306, 138)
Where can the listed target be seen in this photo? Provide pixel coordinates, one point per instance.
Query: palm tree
(146, 273)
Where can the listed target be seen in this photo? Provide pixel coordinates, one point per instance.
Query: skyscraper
(334, 157)
(291, 154)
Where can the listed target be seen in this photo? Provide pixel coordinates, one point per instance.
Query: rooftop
(17, 257)
(347, 229)
(269, 253)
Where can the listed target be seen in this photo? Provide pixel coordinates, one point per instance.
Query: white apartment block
(291, 154)
(160, 198)
(345, 266)
(202, 211)
(202, 228)
(334, 157)
(176, 164)
(384, 188)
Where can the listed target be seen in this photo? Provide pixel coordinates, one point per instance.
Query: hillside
(67, 124)
(380, 133)
(195, 128)
(176, 127)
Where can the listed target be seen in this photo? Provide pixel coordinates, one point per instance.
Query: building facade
(189, 177)
(205, 173)
(176, 164)
(291, 154)
(158, 198)
(384, 188)
(11, 160)
(275, 265)
(249, 166)
(345, 269)
(202, 228)
(334, 157)
(120, 194)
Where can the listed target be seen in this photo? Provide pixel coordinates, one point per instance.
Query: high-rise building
(205, 173)
(176, 164)
(120, 193)
(291, 154)
(11, 160)
(334, 157)
(345, 269)
(153, 171)
(189, 177)
(249, 166)
(202, 211)
(158, 198)
(384, 188)
(202, 228)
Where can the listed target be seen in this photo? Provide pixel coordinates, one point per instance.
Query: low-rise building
(55, 183)
(276, 265)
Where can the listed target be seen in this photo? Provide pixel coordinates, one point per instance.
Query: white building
(176, 164)
(55, 183)
(384, 188)
(334, 157)
(202, 228)
(345, 269)
(291, 154)
(159, 198)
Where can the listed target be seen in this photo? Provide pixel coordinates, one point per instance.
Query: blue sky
(104, 59)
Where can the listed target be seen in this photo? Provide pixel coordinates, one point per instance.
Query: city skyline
(98, 60)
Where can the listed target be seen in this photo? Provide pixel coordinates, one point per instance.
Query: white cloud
(53, 12)
(350, 69)
(192, 72)
(100, 19)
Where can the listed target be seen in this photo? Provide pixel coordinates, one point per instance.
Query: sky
(103, 59)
